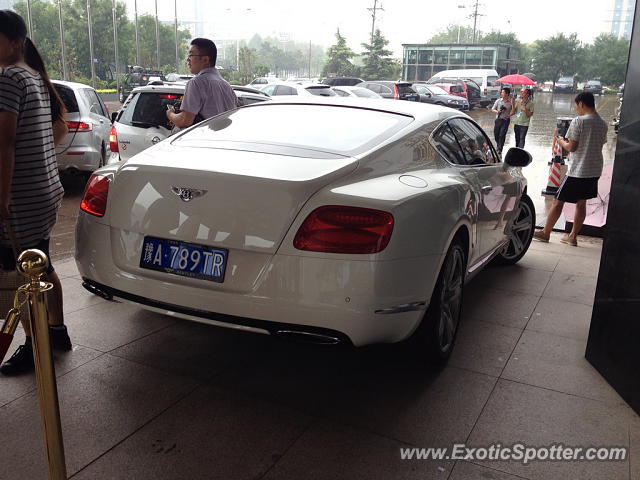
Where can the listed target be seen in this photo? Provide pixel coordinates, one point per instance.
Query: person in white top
(584, 140)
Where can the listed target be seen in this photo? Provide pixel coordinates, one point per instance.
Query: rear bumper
(360, 302)
(82, 158)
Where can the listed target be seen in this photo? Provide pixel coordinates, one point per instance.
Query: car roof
(420, 111)
(171, 87)
(72, 85)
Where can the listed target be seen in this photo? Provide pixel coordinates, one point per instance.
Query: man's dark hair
(587, 98)
(507, 89)
(208, 48)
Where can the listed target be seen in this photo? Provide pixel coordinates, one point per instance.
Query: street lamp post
(135, 9)
(65, 74)
(29, 24)
(93, 66)
(115, 42)
(175, 25)
(157, 38)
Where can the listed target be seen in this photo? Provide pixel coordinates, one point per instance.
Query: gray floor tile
(101, 403)
(497, 306)
(75, 297)
(515, 279)
(573, 288)
(418, 407)
(66, 268)
(330, 452)
(590, 247)
(110, 325)
(537, 417)
(634, 448)
(540, 260)
(470, 471)
(576, 265)
(195, 350)
(484, 347)
(557, 363)
(554, 246)
(562, 318)
(14, 387)
(208, 435)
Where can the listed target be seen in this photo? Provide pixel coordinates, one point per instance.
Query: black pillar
(613, 347)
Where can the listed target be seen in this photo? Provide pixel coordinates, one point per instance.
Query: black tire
(437, 333)
(520, 235)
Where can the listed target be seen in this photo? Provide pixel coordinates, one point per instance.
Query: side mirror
(517, 157)
(428, 95)
(114, 115)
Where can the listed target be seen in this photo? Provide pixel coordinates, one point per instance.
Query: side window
(285, 90)
(374, 87)
(269, 89)
(341, 93)
(91, 101)
(447, 145)
(384, 89)
(474, 142)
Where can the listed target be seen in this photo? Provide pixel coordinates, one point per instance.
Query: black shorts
(574, 189)
(8, 261)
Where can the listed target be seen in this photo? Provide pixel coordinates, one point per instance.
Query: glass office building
(422, 61)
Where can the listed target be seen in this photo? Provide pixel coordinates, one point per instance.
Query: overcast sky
(401, 21)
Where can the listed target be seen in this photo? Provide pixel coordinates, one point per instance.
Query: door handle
(487, 188)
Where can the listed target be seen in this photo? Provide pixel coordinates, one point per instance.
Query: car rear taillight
(79, 126)
(342, 229)
(396, 92)
(94, 200)
(113, 139)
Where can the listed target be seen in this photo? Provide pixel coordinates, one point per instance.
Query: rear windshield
(149, 109)
(68, 98)
(565, 80)
(321, 91)
(405, 89)
(364, 92)
(328, 128)
(478, 80)
(437, 90)
(491, 81)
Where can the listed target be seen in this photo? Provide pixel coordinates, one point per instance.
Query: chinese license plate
(185, 259)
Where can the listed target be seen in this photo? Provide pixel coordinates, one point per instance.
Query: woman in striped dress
(31, 121)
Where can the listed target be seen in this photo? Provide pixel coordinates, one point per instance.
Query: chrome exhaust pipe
(97, 291)
(308, 337)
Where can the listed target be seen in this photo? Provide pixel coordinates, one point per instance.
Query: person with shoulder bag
(32, 122)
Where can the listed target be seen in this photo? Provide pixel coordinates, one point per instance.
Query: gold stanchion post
(33, 265)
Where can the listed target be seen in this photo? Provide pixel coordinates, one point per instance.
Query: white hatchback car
(142, 121)
(302, 89)
(347, 91)
(86, 146)
(349, 221)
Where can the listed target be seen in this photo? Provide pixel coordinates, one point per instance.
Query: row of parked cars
(96, 137)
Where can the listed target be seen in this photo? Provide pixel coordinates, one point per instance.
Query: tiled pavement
(145, 396)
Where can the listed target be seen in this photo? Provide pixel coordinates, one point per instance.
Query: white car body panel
(254, 205)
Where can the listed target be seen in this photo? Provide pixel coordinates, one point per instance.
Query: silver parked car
(294, 88)
(142, 121)
(86, 146)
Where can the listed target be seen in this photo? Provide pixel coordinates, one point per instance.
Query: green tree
(557, 55)
(606, 59)
(378, 64)
(453, 34)
(338, 60)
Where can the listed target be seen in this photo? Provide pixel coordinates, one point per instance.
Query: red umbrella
(516, 79)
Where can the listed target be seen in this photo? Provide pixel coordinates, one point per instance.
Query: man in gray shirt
(584, 140)
(207, 94)
(504, 108)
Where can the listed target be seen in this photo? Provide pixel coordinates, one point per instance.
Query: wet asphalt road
(538, 142)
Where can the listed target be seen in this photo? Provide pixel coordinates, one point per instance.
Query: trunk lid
(242, 200)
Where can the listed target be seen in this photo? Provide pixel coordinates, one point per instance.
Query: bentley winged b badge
(187, 194)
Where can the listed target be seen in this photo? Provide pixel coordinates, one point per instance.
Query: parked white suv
(86, 146)
(142, 120)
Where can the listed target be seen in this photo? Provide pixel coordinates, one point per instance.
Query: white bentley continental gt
(331, 221)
